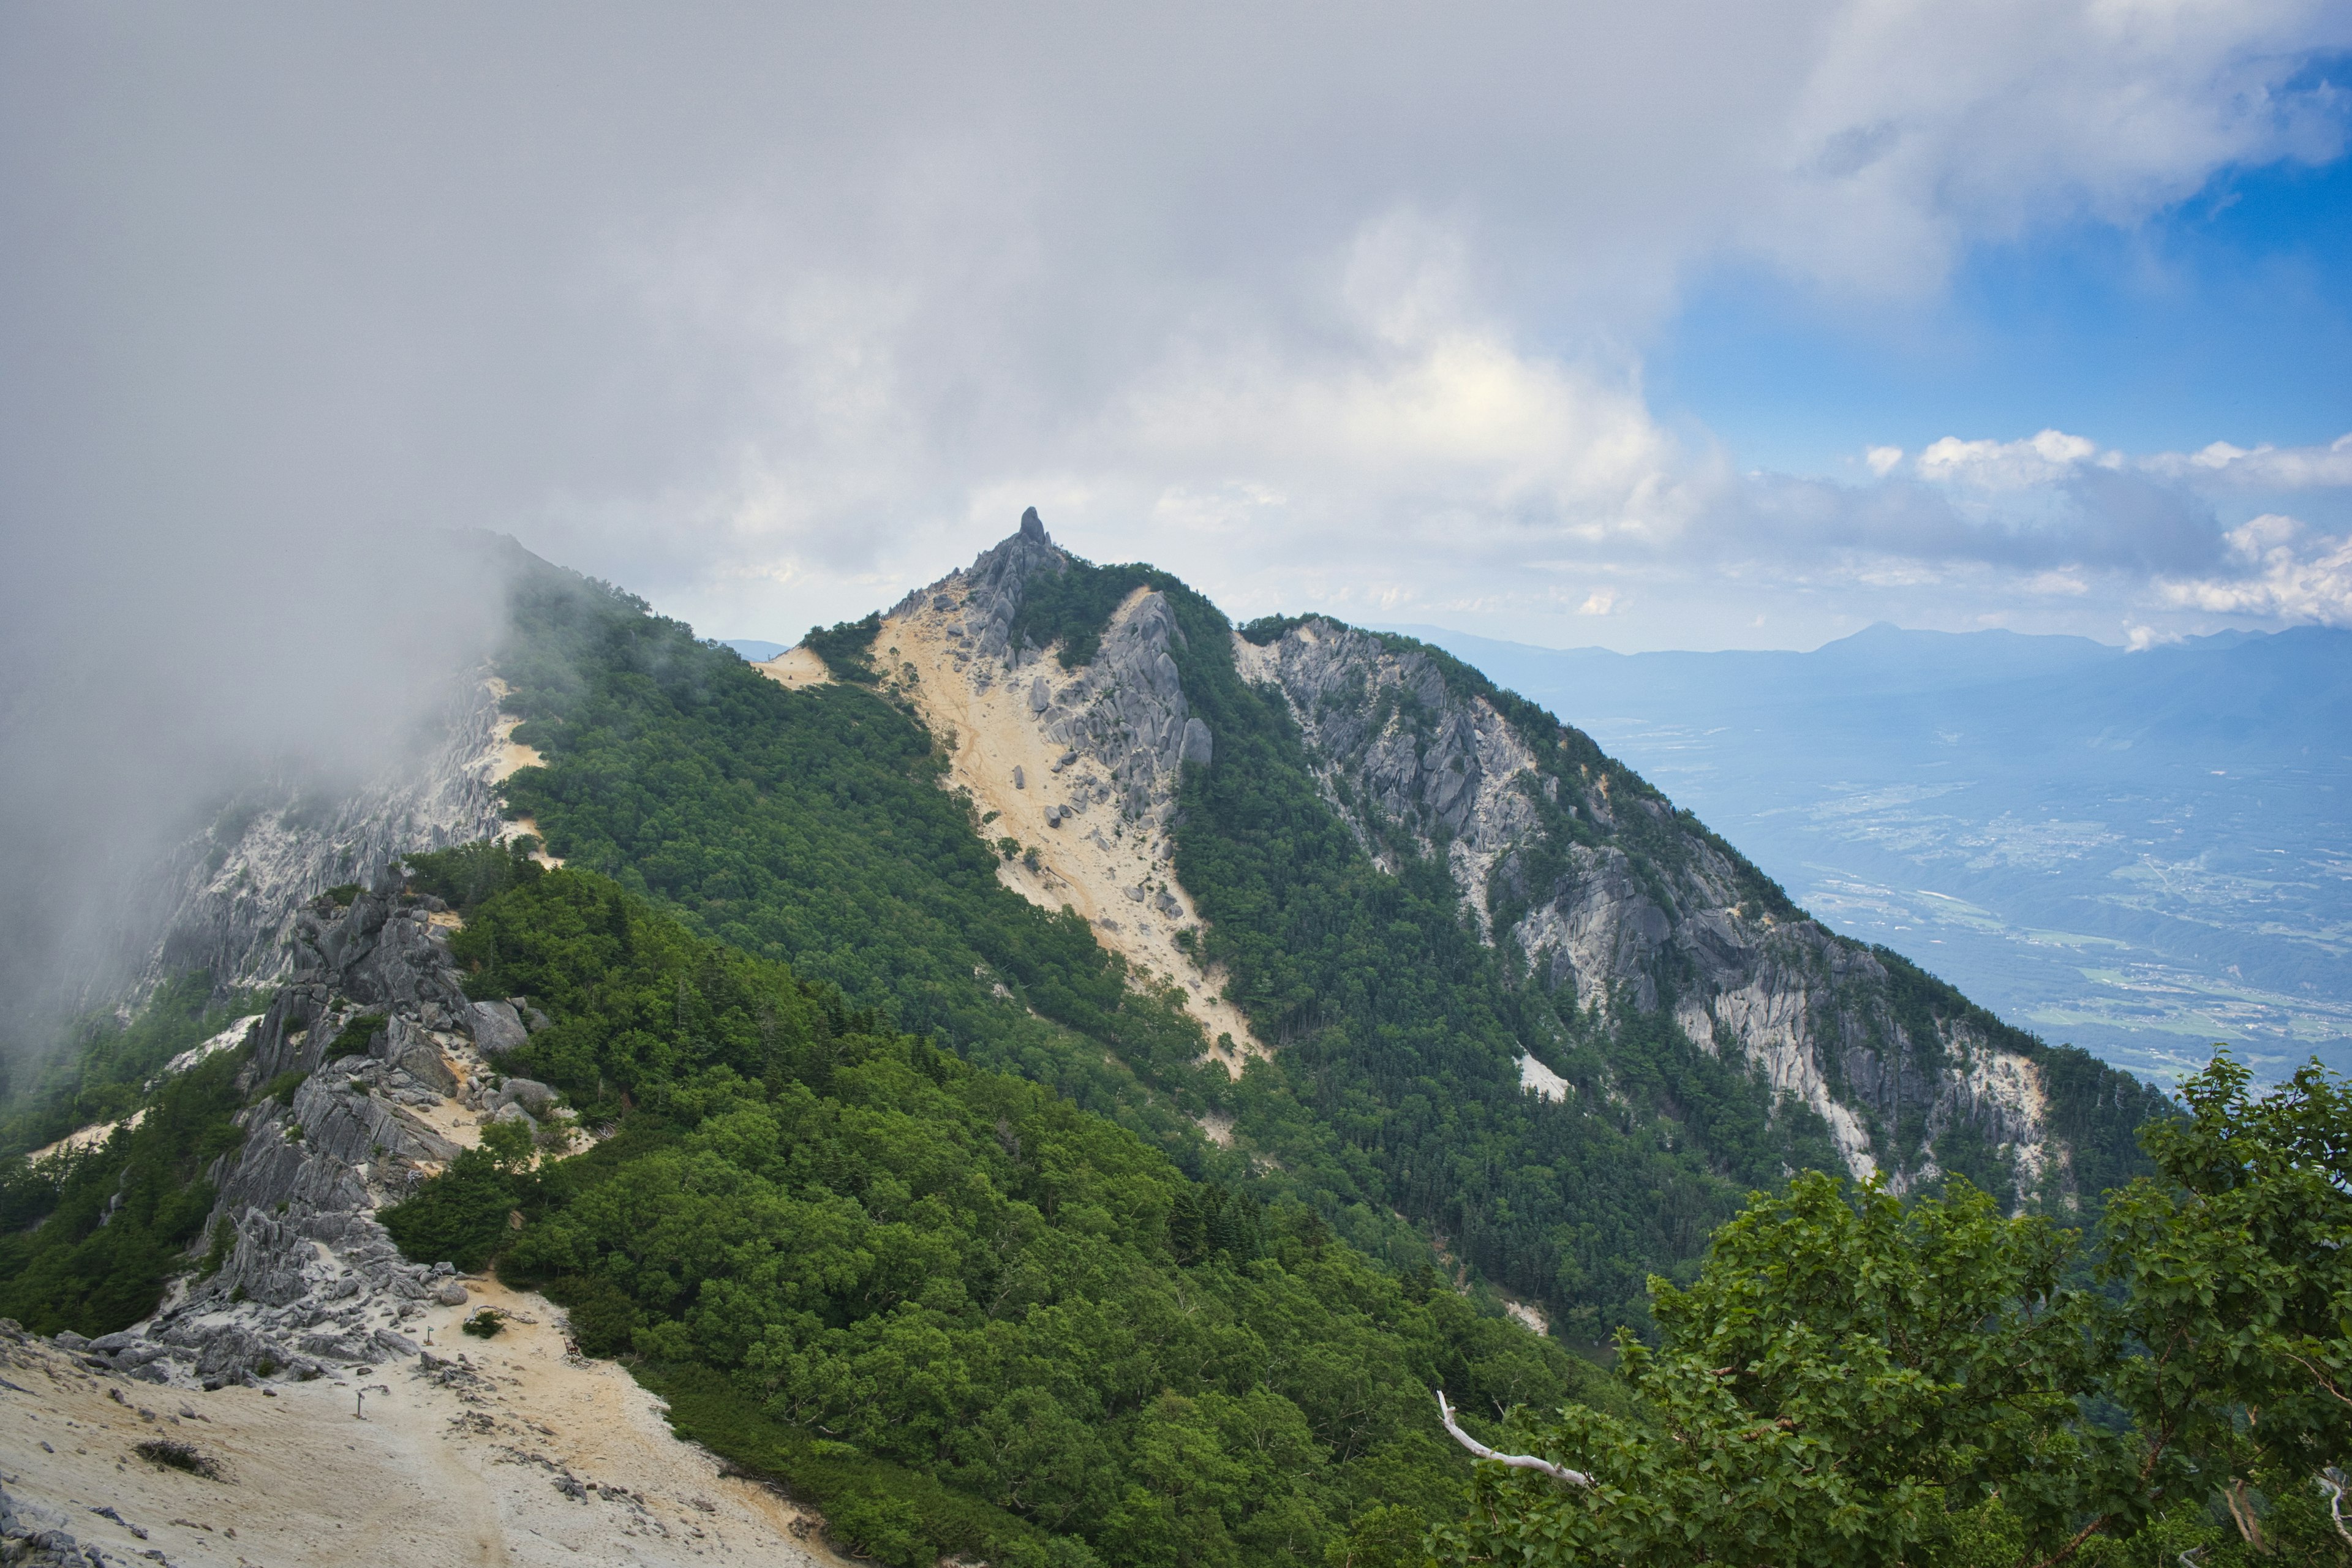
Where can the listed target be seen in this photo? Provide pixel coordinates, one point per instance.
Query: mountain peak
(1033, 526)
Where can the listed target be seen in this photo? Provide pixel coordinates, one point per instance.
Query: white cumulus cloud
(2261, 467)
(2290, 572)
(2010, 465)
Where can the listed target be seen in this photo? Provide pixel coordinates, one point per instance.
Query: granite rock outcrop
(1124, 712)
(228, 899)
(1622, 905)
(368, 1074)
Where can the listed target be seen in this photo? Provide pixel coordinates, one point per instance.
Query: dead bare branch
(2331, 1482)
(1517, 1461)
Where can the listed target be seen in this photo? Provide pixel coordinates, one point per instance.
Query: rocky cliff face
(1124, 710)
(1078, 766)
(225, 898)
(1621, 904)
(1618, 903)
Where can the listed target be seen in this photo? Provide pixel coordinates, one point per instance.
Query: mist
(159, 665)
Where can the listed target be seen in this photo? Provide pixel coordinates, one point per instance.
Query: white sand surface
(89, 1137)
(509, 755)
(1091, 859)
(796, 666)
(518, 1454)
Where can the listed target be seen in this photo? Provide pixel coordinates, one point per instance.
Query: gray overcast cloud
(772, 312)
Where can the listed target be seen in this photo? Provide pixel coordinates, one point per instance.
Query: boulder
(497, 1027)
(1197, 742)
(408, 1047)
(529, 1093)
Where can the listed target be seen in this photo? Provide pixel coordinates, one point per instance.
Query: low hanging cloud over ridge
(770, 313)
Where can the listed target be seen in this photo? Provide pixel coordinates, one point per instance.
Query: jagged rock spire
(1033, 526)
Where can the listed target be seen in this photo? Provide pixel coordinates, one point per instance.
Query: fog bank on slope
(156, 667)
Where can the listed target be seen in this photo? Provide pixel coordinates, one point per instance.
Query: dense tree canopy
(962, 1312)
(89, 1238)
(810, 826)
(1853, 1380)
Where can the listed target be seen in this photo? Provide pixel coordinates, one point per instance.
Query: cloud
(2009, 465)
(158, 664)
(2222, 465)
(770, 313)
(2288, 572)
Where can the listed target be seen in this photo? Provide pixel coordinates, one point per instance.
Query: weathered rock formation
(1621, 904)
(1080, 767)
(1124, 712)
(392, 1063)
(225, 899)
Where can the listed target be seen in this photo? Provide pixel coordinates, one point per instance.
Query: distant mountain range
(2138, 852)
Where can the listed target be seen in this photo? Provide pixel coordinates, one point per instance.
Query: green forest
(89, 1239)
(963, 1316)
(957, 1311)
(896, 1189)
(1855, 1381)
(810, 826)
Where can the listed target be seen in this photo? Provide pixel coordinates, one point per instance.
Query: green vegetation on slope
(1854, 1381)
(955, 1312)
(1401, 1032)
(809, 826)
(88, 1240)
(102, 1069)
(1071, 607)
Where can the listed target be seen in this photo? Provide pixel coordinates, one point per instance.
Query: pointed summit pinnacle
(1032, 526)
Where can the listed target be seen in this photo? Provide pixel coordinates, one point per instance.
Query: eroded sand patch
(796, 666)
(1114, 873)
(89, 1137)
(507, 755)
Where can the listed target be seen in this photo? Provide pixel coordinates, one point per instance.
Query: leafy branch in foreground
(1853, 1380)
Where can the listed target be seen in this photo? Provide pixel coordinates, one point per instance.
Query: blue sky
(2225, 317)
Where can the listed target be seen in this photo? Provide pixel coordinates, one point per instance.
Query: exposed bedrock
(1620, 905)
(382, 1038)
(1125, 712)
(226, 899)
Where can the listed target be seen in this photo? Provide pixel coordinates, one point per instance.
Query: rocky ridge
(383, 1067)
(227, 894)
(1078, 767)
(1621, 904)
(369, 1073)
(1124, 712)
